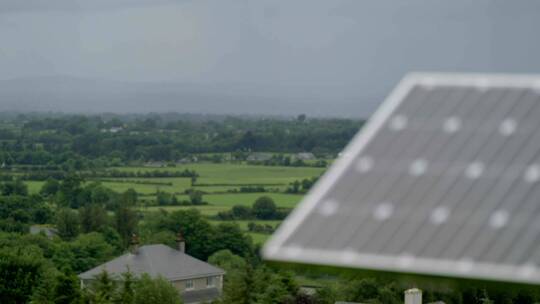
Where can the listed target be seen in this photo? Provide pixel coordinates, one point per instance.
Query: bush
(241, 212)
(158, 290)
(264, 208)
(260, 228)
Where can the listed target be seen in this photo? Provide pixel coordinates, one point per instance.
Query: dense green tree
(327, 294)
(70, 188)
(161, 237)
(158, 290)
(196, 197)
(125, 220)
(20, 272)
(42, 214)
(67, 289)
(92, 218)
(126, 293)
(67, 223)
(228, 261)
(130, 197)
(112, 238)
(50, 187)
(163, 198)
(197, 231)
(16, 187)
(264, 208)
(230, 236)
(44, 292)
(241, 212)
(238, 286)
(370, 290)
(102, 290)
(83, 253)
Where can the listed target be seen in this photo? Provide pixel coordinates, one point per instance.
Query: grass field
(34, 186)
(259, 238)
(215, 180)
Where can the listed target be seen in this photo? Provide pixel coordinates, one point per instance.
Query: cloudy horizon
(348, 50)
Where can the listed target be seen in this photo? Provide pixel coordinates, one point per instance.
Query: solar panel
(442, 180)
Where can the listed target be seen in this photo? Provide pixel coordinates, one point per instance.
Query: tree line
(76, 142)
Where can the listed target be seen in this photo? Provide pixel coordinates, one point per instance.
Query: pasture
(219, 182)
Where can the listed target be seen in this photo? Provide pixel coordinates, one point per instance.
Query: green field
(259, 238)
(34, 186)
(213, 178)
(216, 180)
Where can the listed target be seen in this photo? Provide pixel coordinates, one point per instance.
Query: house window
(210, 282)
(189, 284)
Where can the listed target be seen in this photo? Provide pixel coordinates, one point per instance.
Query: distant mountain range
(73, 94)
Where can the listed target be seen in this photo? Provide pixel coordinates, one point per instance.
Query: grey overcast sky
(347, 52)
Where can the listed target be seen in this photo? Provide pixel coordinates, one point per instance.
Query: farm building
(195, 280)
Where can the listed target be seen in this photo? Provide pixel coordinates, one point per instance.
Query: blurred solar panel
(442, 180)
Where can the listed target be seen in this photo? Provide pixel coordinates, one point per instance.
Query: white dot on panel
(364, 164)
(474, 170)
(328, 207)
(508, 127)
(532, 174)
(383, 211)
(398, 122)
(439, 215)
(499, 219)
(465, 265)
(418, 167)
(452, 124)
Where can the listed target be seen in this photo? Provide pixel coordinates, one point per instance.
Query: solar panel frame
(277, 249)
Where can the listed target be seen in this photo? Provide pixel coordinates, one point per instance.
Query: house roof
(156, 260)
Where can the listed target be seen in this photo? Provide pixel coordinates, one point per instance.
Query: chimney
(180, 242)
(413, 296)
(134, 244)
